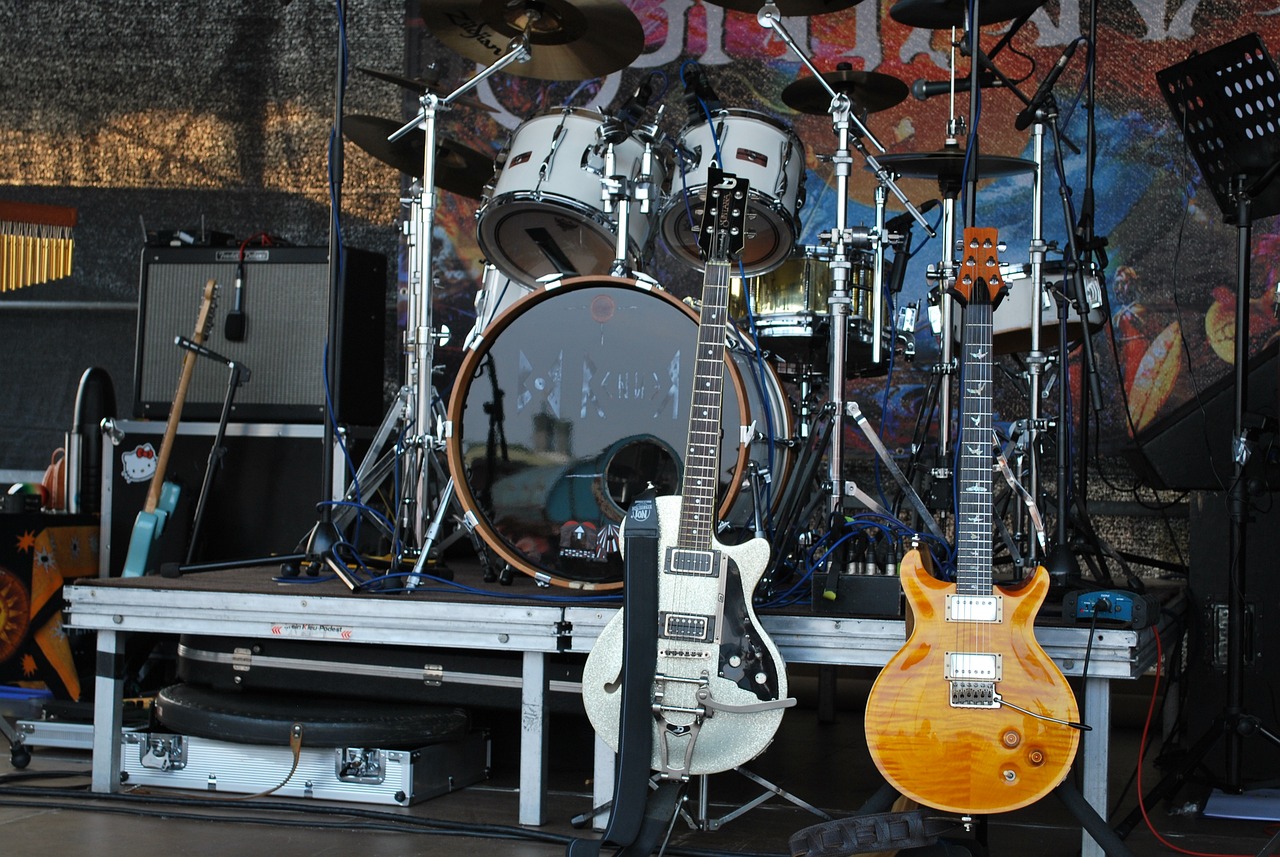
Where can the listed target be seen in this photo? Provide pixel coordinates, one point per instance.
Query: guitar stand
(702, 821)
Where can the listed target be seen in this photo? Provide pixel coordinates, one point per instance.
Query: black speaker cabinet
(285, 302)
(262, 497)
(1207, 627)
(1190, 449)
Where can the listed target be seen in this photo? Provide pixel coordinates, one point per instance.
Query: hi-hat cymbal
(458, 169)
(943, 14)
(947, 166)
(868, 90)
(422, 86)
(788, 8)
(568, 39)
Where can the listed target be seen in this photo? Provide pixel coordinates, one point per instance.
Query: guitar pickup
(687, 626)
(703, 563)
(975, 608)
(972, 666)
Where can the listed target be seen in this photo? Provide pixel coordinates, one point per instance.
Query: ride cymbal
(575, 40)
(944, 14)
(868, 90)
(422, 86)
(458, 169)
(788, 8)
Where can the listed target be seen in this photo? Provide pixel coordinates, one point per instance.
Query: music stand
(1227, 103)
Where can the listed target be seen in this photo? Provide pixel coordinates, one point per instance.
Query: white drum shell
(546, 212)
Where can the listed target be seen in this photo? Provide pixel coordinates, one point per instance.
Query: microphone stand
(324, 535)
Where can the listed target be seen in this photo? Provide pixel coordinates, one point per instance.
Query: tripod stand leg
(1089, 819)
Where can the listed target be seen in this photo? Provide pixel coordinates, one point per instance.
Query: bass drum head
(566, 409)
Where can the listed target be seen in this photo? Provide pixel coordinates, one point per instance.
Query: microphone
(904, 220)
(1046, 87)
(923, 89)
(698, 94)
(235, 320)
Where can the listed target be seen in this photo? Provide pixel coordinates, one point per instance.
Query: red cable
(1146, 727)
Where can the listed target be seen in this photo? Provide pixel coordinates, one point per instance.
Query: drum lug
(646, 282)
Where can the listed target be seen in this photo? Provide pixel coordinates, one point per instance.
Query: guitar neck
(702, 452)
(974, 521)
(189, 358)
(979, 286)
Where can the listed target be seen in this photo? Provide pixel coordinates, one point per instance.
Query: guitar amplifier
(285, 305)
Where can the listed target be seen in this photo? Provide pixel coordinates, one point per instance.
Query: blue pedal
(1112, 605)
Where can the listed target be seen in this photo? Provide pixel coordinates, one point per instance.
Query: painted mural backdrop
(1169, 281)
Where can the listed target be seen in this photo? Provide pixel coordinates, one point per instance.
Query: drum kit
(572, 394)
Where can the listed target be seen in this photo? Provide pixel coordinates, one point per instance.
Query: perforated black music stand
(1227, 103)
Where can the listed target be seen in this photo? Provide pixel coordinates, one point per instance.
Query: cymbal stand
(842, 240)
(1036, 359)
(415, 404)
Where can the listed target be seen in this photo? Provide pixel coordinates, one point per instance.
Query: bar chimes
(35, 243)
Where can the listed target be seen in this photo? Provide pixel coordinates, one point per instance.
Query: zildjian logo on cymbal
(475, 30)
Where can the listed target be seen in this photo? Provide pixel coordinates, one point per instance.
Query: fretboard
(702, 451)
(973, 519)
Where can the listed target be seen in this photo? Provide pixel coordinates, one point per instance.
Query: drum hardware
(416, 408)
(850, 134)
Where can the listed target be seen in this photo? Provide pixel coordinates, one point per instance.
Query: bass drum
(571, 404)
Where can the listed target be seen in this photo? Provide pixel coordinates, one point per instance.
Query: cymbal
(788, 8)
(422, 86)
(458, 169)
(943, 14)
(868, 90)
(947, 166)
(568, 39)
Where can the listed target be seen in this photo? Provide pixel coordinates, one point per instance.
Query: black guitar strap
(633, 829)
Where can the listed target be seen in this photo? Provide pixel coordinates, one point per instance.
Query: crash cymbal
(947, 166)
(788, 8)
(568, 39)
(422, 86)
(868, 90)
(458, 169)
(944, 14)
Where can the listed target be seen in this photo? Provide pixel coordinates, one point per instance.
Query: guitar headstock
(724, 216)
(204, 320)
(979, 277)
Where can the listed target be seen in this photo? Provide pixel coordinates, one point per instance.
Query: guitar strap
(638, 817)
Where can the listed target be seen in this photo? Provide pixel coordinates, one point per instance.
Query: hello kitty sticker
(139, 464)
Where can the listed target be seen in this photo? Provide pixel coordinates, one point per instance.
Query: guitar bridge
(974, 694)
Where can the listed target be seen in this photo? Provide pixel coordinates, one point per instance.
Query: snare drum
(571, 404)
(759, 149)
(792, 313)
(546, 214)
